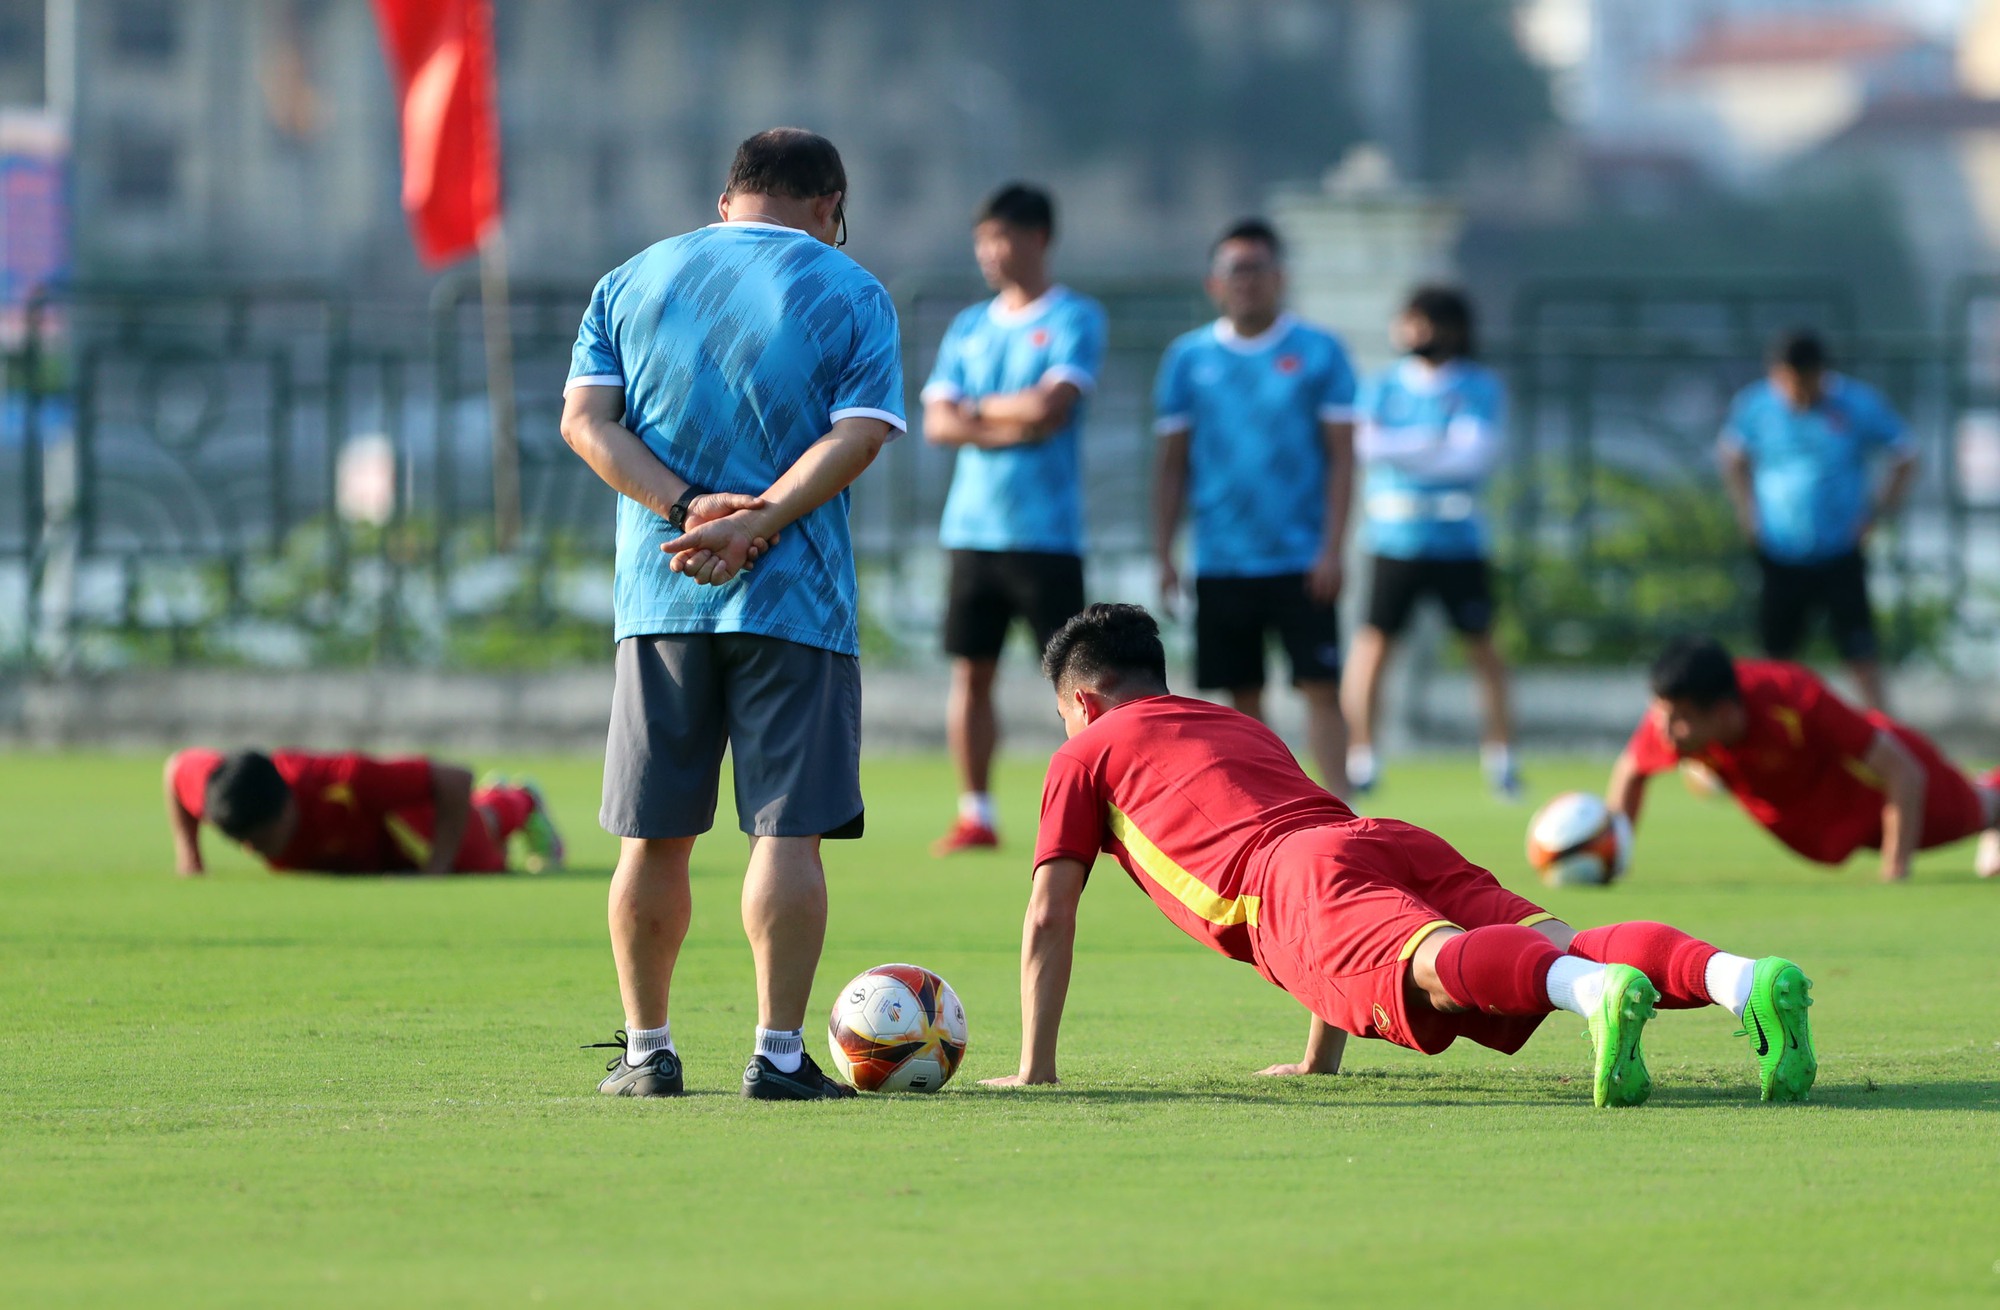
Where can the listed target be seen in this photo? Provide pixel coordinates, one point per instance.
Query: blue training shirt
(1809, 470)
(1428, 440)
(1022, 497)
(739, 345)
(1257, 465)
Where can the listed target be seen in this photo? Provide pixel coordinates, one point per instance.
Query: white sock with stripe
(784, 1048)
(977, 806)
(640, 1043)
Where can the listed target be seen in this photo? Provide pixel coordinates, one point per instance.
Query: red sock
(1501, 970)
(1672, 961)
(509, 808)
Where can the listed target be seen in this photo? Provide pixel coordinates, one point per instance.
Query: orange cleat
(966, 835)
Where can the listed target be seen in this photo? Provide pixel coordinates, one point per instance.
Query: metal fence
(178, 483)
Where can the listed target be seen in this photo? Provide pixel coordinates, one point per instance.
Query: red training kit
(1211, 816)
(363, 815)
(1798, 771)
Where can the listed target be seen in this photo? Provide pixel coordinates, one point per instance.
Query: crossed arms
(1013, 418)
(726, 531)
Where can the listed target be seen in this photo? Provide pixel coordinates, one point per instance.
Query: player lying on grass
(1377, 927)
(348, 813)
(1825, 778)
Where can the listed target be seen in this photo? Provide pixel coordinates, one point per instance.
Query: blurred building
(258, 139)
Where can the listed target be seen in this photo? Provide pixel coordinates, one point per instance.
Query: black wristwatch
(677, 514)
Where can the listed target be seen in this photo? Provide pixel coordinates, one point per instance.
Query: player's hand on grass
(1289, 1070)
(1895, 871)
(1328, 574)
(1020, 1080)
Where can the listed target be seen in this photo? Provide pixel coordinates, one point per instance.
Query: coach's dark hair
(1449, 312)
(789, 162)
(244, 793)
(1696, 669)
(1019, 205)
(1251, 229)
(1802, 351)
(1108, 645)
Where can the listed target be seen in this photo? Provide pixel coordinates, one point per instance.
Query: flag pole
(500, 387)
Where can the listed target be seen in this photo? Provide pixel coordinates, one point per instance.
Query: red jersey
(356, 814)
(1798, 770)
(1189, 797)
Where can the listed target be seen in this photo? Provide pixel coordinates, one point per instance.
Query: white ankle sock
(785, 1049)
(1576, 984)
(1360, 765)
(1728, 980)
(976, 806)
(1498, 760)
(642, 1042)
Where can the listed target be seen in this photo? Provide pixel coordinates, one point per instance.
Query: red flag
(440, 54)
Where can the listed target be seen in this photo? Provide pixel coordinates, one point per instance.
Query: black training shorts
(1463, 586)
(1794, 594)
(1234, 616)
(989, 589)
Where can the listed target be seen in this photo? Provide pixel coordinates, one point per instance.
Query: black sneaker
(764, 1081)
(659, 1074)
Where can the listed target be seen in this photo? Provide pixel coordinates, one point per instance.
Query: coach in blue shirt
(1008, 393)
(729, 384)
(1796, 456)
(1255, 418)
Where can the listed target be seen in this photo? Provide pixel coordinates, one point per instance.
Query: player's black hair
(1696, 669)
(1449, 312)
(244, 793)
(1802, 351)
(789, 162)
(1019, 205)
(1107, 645)
(1251, 229)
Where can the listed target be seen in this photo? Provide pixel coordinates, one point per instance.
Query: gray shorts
(790, 714)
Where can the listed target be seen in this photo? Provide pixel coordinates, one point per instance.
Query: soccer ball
(1576, 841)
(897, 1028)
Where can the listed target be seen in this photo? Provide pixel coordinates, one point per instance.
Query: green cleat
(1615, 1029)
(545, 844)
(1775, 1021)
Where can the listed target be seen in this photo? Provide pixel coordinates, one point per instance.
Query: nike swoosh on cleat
(1763, 1042)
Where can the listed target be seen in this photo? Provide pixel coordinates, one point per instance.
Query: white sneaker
(1986, 856)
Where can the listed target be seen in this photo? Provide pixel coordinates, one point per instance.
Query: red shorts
(1344, 908)
(1953, 809)
(483, 851)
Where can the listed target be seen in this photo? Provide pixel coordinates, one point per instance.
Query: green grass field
(253, 1090)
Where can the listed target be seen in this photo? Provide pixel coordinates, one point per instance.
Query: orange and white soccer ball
(897, 1028)
(1576, 841)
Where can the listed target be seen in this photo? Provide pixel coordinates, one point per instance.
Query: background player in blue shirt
(730, 383)
(1255, 418)
(1008, 392)
(1429, 433)
(1796, 457)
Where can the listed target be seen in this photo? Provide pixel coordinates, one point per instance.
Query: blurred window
(21, 31)
(145, 172)
(145, 31)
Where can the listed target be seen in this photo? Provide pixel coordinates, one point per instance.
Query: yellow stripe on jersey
(1177, 882)
(1533, 919)
(409, 839)
(1417, 937)
(1868, 776)
(1788, 718)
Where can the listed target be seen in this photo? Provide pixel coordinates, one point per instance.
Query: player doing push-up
(1377, 927)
